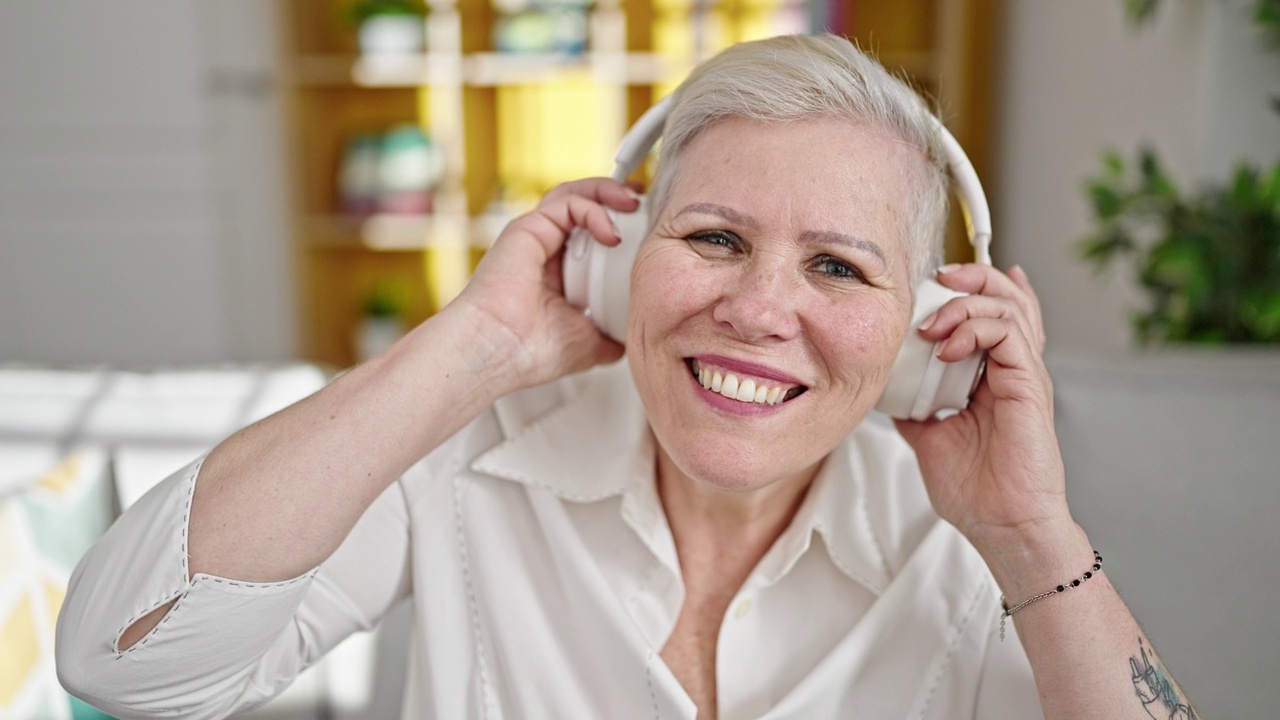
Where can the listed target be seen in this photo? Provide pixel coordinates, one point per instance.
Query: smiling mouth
(745, 390)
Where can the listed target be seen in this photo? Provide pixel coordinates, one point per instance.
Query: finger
(942, 323)
(1019, 277)
(552, 222)
(580, 212)
(1003, 340)
(602, 190)
(986, 280)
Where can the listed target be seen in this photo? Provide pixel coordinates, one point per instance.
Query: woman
(631, 542)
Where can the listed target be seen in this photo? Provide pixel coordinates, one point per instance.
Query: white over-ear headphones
(598, 279)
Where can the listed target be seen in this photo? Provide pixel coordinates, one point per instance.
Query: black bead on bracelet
(1009, 611)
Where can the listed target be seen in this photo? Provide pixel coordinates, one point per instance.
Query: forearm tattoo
(1157, 691)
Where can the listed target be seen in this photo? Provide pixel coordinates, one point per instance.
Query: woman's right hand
(516, 294)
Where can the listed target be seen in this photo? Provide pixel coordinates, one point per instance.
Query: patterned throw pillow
(44, 529)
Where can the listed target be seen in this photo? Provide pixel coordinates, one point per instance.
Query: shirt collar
(597, 444)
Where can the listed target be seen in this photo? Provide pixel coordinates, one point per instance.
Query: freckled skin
(766, 304)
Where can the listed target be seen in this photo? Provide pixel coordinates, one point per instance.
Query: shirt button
(744, 607)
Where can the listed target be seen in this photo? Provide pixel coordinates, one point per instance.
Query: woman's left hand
(994, 470)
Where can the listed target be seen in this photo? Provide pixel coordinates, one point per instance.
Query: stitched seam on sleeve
(188, 582)
(182, 595)
(186, 519)
(150, 633)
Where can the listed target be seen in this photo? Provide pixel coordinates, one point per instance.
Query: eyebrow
(821, 237)
(811, 237)
(729, 214)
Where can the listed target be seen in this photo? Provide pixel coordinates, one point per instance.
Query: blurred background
(218, 189)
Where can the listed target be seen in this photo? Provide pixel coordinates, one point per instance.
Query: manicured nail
(948, 268)
(928, 322)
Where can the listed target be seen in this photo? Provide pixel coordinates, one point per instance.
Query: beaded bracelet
(1009, 611)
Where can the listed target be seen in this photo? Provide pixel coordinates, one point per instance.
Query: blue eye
(717, 239)
(836, 268)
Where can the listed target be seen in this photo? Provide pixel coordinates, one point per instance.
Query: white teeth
(729, 388)
(728, 385)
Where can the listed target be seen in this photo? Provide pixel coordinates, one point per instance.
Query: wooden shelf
(384, 232)
(511, 125)
(402, 233)
(494, 69)
(481, 69)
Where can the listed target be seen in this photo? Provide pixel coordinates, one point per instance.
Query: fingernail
(950, 267)
(632, 193)
(940, 348)
(928, 322)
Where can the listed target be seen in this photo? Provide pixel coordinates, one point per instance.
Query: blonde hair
(800, 77)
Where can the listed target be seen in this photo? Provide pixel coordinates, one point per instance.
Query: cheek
(871, 332)
(662, 286)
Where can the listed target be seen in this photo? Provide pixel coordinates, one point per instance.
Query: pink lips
(747, 368)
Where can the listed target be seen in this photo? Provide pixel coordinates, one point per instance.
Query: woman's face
(777, 262)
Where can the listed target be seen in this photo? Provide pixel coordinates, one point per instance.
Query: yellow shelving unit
(510, 126)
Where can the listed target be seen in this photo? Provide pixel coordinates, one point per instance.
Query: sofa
(1171, 460)
(78, 446)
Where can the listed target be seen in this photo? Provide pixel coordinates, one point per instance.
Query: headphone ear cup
(920, 385)
(598, 278)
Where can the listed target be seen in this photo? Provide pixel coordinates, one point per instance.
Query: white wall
(1167, 455)
(141, 218)
(1074, 79)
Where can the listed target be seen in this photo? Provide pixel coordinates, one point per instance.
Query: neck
(704, 516)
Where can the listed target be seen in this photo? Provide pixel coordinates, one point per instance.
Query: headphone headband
(640, 139)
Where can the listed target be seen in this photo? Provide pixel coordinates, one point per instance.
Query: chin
(732, 467)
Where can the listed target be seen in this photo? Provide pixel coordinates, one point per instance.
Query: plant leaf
(1106, 202)
(1113, 164)
(1140, 11)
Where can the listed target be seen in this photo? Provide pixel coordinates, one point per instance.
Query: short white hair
(801, 77)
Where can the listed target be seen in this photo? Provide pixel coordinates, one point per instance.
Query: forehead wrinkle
(729, 214)
(818, 237)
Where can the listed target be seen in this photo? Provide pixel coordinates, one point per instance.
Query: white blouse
(545, 582)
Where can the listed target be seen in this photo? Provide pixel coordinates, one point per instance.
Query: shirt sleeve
(226, 645)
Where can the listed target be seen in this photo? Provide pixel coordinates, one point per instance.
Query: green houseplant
(1208, 260)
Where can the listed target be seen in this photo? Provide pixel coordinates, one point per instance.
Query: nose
(760, 304)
